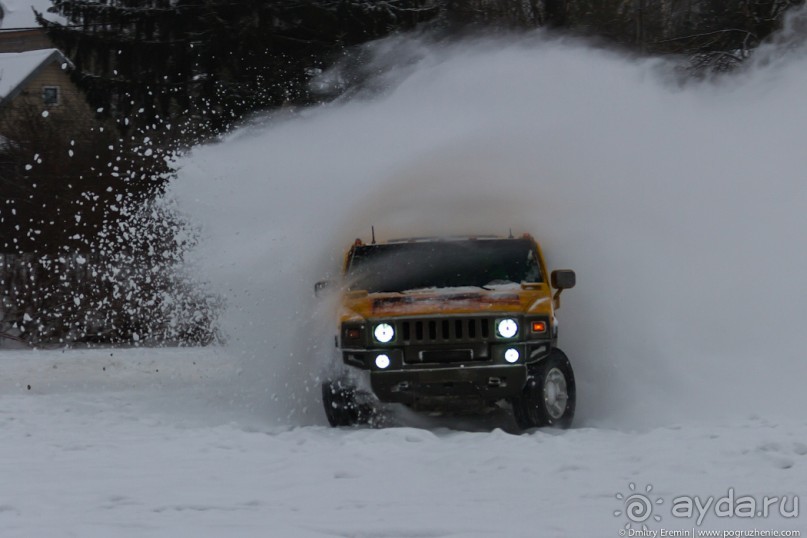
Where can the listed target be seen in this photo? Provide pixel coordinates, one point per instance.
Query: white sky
(18, 13)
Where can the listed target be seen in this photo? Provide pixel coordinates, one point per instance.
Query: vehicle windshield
(399, 267)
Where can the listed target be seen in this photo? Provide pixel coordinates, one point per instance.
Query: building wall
(70, 107)
(24, 40)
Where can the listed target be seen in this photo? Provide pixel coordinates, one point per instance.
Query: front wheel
(344, 404)
(549, 396)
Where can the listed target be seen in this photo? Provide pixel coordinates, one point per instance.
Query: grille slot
(444, 330)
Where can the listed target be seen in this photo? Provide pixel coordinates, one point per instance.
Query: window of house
(50, 95)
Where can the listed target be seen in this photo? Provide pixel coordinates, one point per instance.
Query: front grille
(444, 330)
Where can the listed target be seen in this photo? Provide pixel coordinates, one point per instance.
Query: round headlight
(507, 328)
(511, 355)
(384, 332)
(382, 361)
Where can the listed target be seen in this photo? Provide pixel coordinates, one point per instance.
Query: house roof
(16, 14)
(18, 68)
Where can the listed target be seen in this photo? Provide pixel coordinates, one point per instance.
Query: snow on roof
(17, 67)
(18, 13)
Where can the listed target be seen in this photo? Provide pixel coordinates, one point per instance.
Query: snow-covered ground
(146, 442)
(680, 206)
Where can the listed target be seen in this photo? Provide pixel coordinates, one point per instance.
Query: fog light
(382, 361)
(511, 355)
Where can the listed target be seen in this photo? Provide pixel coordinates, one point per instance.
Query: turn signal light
(539, 326)
(353, 334)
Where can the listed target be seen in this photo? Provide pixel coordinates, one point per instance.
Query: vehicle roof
(444, 239)
(428, 239)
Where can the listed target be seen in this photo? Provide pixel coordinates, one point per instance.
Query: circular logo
(638, 507)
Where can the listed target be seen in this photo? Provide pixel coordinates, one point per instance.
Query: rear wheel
(344, 405)
(549, 396)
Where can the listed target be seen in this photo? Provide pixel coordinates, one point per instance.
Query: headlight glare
(511, 355)
(507, 328)
(384, 333)
(382, 361)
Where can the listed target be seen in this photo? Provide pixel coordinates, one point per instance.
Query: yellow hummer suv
(451, 324)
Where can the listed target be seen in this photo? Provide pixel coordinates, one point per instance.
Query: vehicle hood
(446, 301)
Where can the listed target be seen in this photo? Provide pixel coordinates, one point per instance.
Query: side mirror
(322, 285)
(563, 279)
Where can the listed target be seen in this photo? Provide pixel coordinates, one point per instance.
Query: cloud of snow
(681, 207)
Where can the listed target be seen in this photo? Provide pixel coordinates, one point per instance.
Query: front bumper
(488, 382)
(489, 376)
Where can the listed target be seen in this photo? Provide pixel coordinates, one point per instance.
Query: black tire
(342, 407)
(543, 401)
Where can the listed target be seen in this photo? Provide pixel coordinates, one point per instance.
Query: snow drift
(680, 206)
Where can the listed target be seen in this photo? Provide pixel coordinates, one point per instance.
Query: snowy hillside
(680, 205)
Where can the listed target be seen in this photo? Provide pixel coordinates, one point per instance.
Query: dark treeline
(204, 64)
(715, 34)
